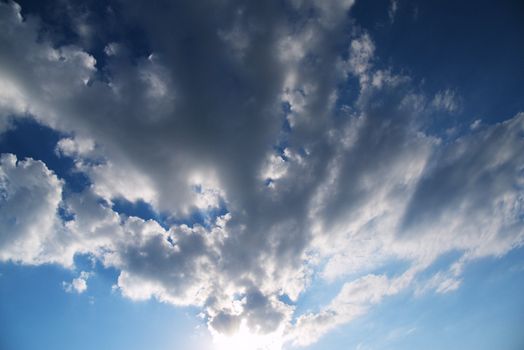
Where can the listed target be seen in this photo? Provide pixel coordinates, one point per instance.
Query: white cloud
(79, 284)
(30, 195)
(75, 147)
(353, 300)
(361, 53)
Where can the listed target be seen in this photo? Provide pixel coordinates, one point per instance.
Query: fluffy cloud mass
(30, 196)
(236, 114)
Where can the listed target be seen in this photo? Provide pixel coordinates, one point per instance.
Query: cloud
(30, 196)
(361, 54)
(75, 147)
(77, 285)
(446, 100)
(237, 117)
(472, 186)
(353, 300)
(473, 207)
(392, 10)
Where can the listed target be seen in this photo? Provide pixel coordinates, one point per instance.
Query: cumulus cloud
(77, 285)
(30, 195)
(75, 147)
(238, 117)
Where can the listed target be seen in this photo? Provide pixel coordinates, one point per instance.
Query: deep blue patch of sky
(144, 210)
(28, 139)
(475, 48)
(104, 18)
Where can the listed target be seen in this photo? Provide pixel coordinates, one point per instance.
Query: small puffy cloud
(79, 284)
(75, 147)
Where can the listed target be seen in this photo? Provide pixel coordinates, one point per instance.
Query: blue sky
(272, 175)
(484, 313)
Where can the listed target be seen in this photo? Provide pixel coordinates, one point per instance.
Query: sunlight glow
(245, 339)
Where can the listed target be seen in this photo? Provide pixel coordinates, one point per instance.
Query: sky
(261, 175)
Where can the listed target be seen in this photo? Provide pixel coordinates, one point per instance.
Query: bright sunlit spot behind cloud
(245, 339)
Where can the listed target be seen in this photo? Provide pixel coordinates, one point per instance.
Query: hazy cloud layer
(237, 110)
